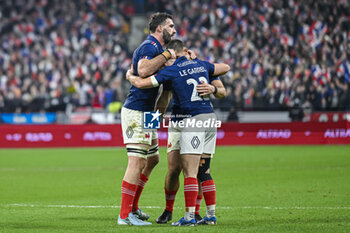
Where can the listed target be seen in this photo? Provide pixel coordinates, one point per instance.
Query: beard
(166, 36)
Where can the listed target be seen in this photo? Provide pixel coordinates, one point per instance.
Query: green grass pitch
(259, 189)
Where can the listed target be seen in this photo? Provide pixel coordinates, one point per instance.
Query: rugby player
(174, 166)
(142, 147)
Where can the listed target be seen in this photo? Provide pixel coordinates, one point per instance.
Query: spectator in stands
(57, 55)
(232, 117)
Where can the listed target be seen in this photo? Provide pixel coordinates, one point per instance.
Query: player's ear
(160, 28)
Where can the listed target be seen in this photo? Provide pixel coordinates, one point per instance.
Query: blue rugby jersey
(143, 99)
(184, 76)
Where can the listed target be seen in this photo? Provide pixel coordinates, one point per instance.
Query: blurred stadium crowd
(283, 54)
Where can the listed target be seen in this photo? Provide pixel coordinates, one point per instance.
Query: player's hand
(170, 62)
(192, 54)
(128, 74)
(205, 89)
(172, 52)
(132, 68)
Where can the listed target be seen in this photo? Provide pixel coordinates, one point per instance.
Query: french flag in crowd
(305, 29)
(324, 78)
(314, 41)
(316, 72)
(113, 22)
(88, 17)
(257, 69)
(287, 40)
(276, 29)
(240, 12)
(319, 27)
(327, 75)
(245, 62)
(228, 20)
(314, 34)
(264, 23)
(320, 76)
(205, 31)
(243, 25)
(221, 13)
(344, 70)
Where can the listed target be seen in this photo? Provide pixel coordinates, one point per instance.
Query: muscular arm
(141, 83)
(220, 69)
(207, 89)
(147, 67)
(221, 93)
(215, 87)
(149, 82)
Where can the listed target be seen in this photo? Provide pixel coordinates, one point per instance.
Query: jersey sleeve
(147, 51)
(164, 77)
(210, 67)
(212, 78)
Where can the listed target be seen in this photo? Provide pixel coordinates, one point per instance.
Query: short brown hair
(158, 19)
(177, 45)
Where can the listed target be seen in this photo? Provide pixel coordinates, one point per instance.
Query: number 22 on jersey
(195, 96)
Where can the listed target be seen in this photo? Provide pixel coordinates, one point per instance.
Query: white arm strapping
(154, 81)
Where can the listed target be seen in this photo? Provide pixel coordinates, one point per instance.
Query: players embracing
(192, 81)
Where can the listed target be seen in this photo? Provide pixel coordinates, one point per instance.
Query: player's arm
(215, 87)
(220, 69)
(141, 83)
(147, 67)
(163, 101)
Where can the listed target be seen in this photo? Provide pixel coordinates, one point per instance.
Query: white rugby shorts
(132, 127)
(193, 140)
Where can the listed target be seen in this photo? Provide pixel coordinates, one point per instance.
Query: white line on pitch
(159, 207)
(295, 207)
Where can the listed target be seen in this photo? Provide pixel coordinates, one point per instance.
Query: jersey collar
(153, 39)
(180, 59)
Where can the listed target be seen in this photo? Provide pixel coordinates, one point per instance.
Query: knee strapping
(137, 151)
(204, 170)
(153, 150)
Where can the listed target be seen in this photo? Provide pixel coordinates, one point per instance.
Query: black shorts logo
(195, 142)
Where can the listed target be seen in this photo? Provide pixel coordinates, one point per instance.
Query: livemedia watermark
(152, 120)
